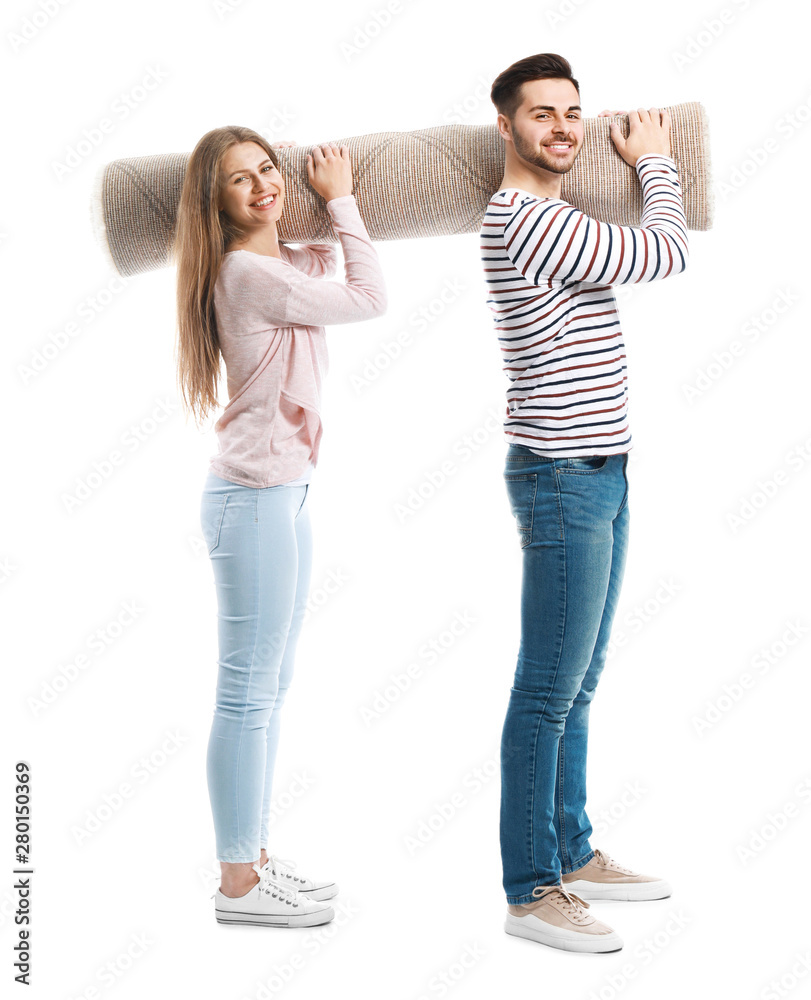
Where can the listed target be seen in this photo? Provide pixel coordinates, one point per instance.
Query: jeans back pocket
(521, 490)
(212, 509)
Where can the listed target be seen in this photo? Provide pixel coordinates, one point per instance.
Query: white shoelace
(267, 883)
(283, 867)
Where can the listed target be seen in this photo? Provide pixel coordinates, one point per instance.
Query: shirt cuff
(655, 156)
(343, 198)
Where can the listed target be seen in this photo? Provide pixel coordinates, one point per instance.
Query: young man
(549, 270)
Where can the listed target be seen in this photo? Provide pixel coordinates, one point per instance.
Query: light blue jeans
(572, 521)
(260, 546)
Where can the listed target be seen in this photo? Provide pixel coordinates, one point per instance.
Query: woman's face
(252, 193)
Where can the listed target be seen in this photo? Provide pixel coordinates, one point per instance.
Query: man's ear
(503, 124)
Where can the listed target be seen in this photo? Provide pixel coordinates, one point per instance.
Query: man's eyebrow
(268, 160)
(549, 107)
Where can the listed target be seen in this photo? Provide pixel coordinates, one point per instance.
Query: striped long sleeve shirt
(549, 269)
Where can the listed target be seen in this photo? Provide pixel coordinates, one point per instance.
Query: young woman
(260, 305)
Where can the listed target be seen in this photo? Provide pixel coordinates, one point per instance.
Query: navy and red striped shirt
(549, 269)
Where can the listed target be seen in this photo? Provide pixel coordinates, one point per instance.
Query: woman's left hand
(283, 143)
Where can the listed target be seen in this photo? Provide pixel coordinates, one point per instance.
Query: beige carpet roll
(430, 182)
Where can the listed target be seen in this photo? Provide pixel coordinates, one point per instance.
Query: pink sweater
(270, 314)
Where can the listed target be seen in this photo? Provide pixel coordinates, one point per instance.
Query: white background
(702, 596)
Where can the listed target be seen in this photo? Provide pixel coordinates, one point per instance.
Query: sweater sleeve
(318, 260)
(298, 300)
(551, 242)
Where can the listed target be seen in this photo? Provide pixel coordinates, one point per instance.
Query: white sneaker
(560, 919)
(270, 904)
(284, 872)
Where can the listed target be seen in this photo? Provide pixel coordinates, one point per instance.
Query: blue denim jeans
(572, 520)
(260, 547)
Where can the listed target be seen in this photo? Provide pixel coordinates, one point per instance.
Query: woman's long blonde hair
(202, 233)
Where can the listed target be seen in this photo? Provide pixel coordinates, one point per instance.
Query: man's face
(547, 130)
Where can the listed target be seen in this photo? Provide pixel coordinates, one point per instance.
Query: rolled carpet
(429, 182)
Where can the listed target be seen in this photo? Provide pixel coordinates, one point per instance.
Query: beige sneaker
(561, 920)
(602, 878)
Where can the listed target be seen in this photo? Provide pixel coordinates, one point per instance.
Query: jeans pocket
(585, 463)
(212, 509)
(521, 493)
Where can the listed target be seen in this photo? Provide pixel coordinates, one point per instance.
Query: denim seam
(581, 472)
(561, 811)
(562, 536)
(306, 488)
(222, 516)
(565, 597)
(531, 824)
(554, 679)
(253, 656)
(222, 501)
(532, 511)
(525, 533)
(296, 612)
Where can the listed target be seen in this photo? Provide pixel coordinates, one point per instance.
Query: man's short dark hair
(506, 90)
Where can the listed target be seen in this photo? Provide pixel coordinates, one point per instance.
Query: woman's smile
(268, 201)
